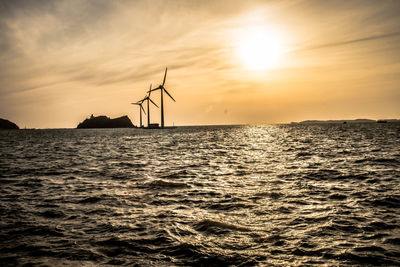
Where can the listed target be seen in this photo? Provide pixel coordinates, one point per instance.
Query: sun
(260, 49)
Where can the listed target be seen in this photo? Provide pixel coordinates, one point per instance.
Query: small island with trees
(106, 122)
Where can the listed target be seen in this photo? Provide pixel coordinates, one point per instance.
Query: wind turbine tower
(139, 103)
(162, 89)
(148, 105)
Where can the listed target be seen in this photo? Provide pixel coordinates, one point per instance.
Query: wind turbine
(148, 105)
(162, 89)
(139, 103)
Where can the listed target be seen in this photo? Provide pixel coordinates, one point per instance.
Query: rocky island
(7, 125)
(106, 122)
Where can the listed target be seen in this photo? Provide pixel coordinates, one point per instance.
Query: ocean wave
(386, 201)
(214, 226)
(162, 184)
(377, 160)
(52, 214)
(90, 200)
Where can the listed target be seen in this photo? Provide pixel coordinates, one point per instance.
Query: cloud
(353, 41)
(103, 47)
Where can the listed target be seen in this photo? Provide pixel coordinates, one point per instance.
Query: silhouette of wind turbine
(148, 105)
(139, 103)
(162, 89)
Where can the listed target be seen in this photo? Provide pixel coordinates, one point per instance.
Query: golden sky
(229, 62)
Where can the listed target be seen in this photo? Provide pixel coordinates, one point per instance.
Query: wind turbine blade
(143, 109)
(165, 76)
(149, 92)
(134, 103)
(165, 90)
(153, 102)
(154, 89)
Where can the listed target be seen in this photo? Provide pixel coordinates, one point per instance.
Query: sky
(229, 62)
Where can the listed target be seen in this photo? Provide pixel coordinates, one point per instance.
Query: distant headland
(346, 121)
(7, 125)
(106, 122)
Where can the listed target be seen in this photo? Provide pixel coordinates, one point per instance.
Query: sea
(269, 195)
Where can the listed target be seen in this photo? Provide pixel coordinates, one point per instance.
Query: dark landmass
(7, 125)
(346, 121)
(106, 122)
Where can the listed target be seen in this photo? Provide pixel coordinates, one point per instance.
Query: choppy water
(238, 195)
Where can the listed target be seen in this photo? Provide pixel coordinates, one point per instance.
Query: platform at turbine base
(153, 126)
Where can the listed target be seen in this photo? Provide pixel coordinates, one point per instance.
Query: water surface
(234, 195)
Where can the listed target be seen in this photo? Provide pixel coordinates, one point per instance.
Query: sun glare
(260, 49)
